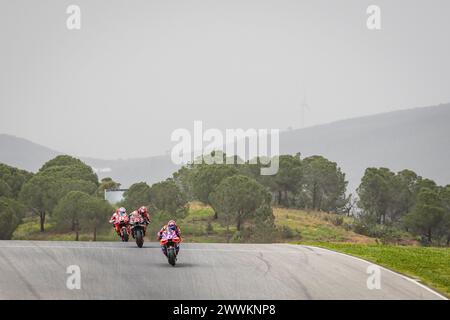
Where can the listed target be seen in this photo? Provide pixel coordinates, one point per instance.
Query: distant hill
(30, 156)
(24, 154)
(129, 171)
(417, 139)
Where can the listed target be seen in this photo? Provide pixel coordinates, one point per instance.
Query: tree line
(404, 201)
(312, 183)
(65, 188)
(386, 204)
(241, 197)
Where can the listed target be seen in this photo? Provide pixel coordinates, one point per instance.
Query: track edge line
(386, 269)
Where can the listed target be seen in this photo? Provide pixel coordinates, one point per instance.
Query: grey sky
(137, 70)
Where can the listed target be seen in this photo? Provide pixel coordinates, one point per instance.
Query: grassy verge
(295, 225)
(29, 229)
(317, 226)
(430, 266)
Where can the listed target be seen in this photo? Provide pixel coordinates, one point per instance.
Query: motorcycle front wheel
(124, 236)
(171, 256)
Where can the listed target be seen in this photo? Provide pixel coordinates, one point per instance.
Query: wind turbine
(303, 108)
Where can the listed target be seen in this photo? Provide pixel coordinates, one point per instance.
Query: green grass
(298, 225)
(195, 226)
(429, 265)
(316, 226)
(29, 229)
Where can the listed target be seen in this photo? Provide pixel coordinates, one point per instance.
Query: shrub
(236, 237)
(286, 232)
(209, 228)
(337, 220)
(386, 234)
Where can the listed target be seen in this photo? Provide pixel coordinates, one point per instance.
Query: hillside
(24, 154)
(416, 139)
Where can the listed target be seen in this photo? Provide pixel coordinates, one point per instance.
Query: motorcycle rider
(116, 219)
(142, 212)
(171, 225)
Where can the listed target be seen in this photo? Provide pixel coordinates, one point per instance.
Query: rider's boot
(164, 250)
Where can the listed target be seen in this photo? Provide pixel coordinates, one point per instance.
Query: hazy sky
(137, 70)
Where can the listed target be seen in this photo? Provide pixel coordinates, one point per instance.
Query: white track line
(386, 269)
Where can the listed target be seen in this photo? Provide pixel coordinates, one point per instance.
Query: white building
(114, 196)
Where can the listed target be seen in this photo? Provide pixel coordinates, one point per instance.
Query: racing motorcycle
(170, 240)
(138, 225)
(124, 229)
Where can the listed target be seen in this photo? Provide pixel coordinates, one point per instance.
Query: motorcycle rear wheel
(139, 238)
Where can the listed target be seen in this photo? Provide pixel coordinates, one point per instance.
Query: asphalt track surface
(115, 270)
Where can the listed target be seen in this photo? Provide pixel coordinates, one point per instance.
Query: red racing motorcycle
(170, 241)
